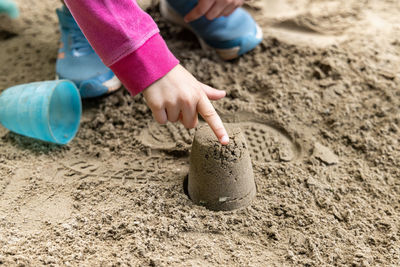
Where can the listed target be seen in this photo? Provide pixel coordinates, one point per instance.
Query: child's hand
(179, 96)
(213, 9)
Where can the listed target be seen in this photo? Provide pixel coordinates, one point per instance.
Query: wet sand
(318, 103)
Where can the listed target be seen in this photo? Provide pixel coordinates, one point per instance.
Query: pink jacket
(126, 39)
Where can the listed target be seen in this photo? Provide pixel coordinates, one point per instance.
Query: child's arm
(128, 41)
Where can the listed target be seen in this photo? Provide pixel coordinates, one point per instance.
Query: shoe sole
(112, 85)
(171, 15)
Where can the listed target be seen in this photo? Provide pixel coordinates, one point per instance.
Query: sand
(318, 102)
(220, 177)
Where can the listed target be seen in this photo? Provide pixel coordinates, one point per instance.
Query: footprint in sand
(318, 24)
(302, 31)
(171, 136)
(267, 142)
(139, 172)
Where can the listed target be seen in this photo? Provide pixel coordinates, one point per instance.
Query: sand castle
(220, 177)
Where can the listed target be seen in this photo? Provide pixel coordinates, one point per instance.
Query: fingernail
(225, 140)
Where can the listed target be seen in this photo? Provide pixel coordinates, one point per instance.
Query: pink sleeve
(126, 38)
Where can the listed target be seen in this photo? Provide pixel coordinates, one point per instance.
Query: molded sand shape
(220, 177)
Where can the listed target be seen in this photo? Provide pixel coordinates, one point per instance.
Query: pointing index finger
(207, 111)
